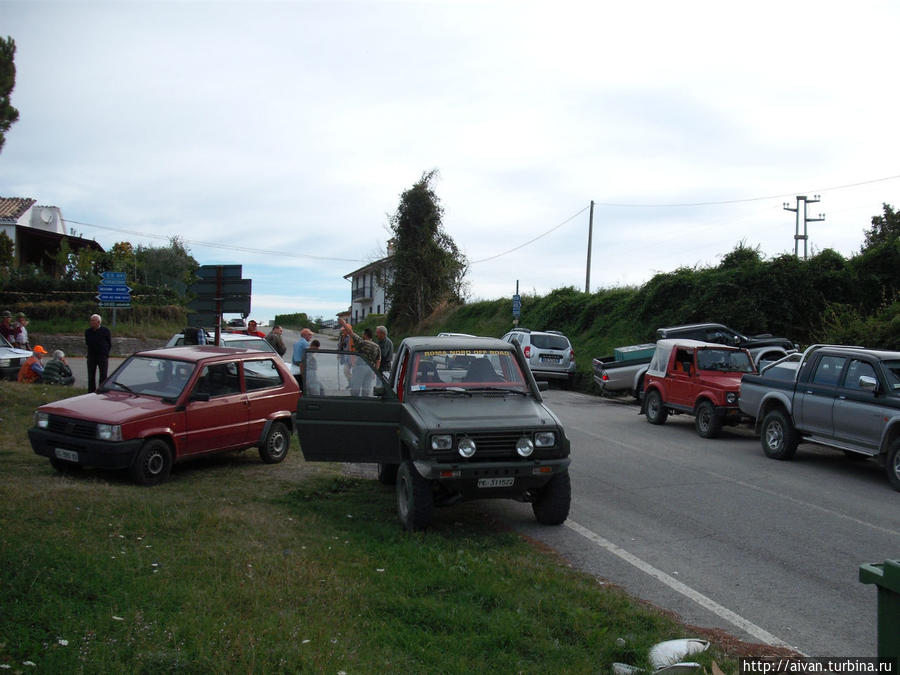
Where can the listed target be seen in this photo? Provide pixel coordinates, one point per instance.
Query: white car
(11, 360)
(238, 340)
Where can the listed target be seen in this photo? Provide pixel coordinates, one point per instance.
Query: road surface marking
(714, 607)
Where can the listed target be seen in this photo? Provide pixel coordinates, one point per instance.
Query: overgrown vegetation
(238, 566)
(824, 299)
(427, 268)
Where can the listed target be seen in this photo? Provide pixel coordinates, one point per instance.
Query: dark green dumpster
(887, 577)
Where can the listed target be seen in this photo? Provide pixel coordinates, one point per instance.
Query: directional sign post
(218, 289)
(114, 292)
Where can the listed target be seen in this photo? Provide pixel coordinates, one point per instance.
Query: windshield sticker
(468, 352)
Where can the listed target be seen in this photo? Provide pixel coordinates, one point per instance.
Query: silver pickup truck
(843, 397)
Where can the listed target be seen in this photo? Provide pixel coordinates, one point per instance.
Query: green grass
(237, 566)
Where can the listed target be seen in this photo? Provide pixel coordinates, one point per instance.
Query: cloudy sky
(280, 135)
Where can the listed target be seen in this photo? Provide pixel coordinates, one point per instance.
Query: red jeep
(699, 378)
(166, 405)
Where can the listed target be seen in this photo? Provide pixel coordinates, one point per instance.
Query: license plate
(68, 455)
(495, 482)
(551, 359)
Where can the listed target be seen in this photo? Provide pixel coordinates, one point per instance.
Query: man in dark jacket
(99, 342)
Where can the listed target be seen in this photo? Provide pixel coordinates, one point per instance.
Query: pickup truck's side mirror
(378, 391)
(868, 383)
(543, 385)
(199, 396)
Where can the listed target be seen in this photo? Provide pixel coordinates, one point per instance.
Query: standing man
(274, 338)
(387, 350)
(300, 347)
(361, 377)
(99, 343)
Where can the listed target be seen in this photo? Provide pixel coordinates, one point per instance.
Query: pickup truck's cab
(843, 397)
(460, 418)
(698, 378)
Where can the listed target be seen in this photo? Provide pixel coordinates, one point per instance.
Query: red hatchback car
(166, 405)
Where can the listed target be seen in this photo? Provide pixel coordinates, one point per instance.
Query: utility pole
(587, 277)
(801, 214)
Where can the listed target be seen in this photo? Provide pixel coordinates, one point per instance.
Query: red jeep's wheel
(654, 409)
(706, 422)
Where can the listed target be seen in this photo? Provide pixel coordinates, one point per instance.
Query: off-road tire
(278, 441)
(387, 474)
(152, 463)
(551, 507)
(706, 422)
(892, 465)
(415, 500)
(654, 409)
(777, 435)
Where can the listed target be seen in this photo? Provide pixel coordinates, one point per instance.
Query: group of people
(377, 350)
(16, 332)
(56, 370)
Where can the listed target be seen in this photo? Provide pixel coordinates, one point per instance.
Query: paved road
(714, 530)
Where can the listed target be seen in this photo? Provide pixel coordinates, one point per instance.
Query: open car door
(347, 412)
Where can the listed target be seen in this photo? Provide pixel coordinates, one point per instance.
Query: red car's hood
(112, 407)
(720, 380)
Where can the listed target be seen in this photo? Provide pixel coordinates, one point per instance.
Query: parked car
(163, 406)
(11, 359)
(442, 434)
(239, 340)
(623, 373)
(846, 398)
(698, 378)
(549, 354)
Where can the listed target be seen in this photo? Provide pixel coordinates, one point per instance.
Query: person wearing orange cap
(32, 370)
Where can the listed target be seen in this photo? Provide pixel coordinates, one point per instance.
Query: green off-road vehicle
(444, 429)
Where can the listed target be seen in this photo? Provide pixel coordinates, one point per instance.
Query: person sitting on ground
(32, 370)
(57, 370)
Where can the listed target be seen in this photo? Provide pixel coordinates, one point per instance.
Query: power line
(531, 241)
(744, 200)
(230, 247)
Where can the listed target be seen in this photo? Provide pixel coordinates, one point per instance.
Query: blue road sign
(114, 297)
(104, 288)
(517, 305)
(112, 277)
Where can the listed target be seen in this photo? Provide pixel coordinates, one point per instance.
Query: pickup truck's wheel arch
(551, 506)
(276, 444)
(892, 465)
(653, 407)
(777, 435)
(152, 463)
(706, 422)
(415, 499)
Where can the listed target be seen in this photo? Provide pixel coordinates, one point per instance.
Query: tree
(8, 114)
(7, 259)
(885, 229)
(427, 267)
(169, 267)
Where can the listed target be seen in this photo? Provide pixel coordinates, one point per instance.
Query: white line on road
(714, 607)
